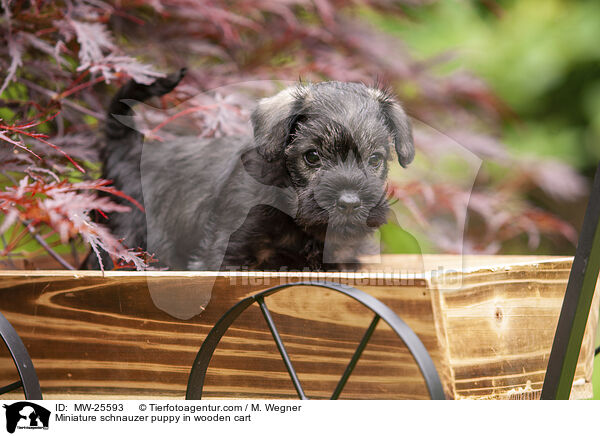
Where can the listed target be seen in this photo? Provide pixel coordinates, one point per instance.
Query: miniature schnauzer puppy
(305, 192)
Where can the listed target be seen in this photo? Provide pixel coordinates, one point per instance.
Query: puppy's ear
(400, 127)
(270, 175)
(275, 120)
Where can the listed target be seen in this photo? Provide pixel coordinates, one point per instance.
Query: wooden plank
(95, 335)
(500, 326)
(105, 337)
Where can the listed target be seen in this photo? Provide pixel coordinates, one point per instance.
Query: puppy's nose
(348, 202)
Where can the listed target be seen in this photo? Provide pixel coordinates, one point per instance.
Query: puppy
(305, 192)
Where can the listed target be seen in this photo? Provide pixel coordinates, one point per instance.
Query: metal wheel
(28, 379)
(381, 311)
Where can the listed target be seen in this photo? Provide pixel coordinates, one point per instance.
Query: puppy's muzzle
(348, 203)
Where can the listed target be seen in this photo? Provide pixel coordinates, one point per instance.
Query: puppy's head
(334, 140)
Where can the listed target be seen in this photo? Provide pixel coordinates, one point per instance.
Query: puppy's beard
(328, 222)
(378, 214)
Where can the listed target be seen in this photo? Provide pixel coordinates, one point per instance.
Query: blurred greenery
(541, 58)
(596, 378)
(596, 373)
(399, 241)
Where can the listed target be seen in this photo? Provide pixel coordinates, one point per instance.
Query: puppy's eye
(375, 160)
(312, 158)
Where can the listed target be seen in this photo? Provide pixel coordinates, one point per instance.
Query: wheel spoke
(284, 355)
(11, 387)
(359, 350)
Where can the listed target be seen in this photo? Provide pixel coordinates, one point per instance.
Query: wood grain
(104, 336)
(500, 326)
(94, 335)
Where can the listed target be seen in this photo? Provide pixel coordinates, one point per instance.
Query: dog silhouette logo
(26, 415)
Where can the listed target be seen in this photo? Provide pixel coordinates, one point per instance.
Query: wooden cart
(488, 323)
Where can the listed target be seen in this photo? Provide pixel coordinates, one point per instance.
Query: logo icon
(26, 415)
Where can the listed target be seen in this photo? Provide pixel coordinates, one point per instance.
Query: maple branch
(47, 247)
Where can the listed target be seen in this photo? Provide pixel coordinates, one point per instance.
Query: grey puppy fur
(305, 192)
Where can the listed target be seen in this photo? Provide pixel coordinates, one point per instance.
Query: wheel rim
(382, 312)
(27, 376)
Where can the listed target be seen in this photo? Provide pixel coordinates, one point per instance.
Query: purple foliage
(57, 58)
